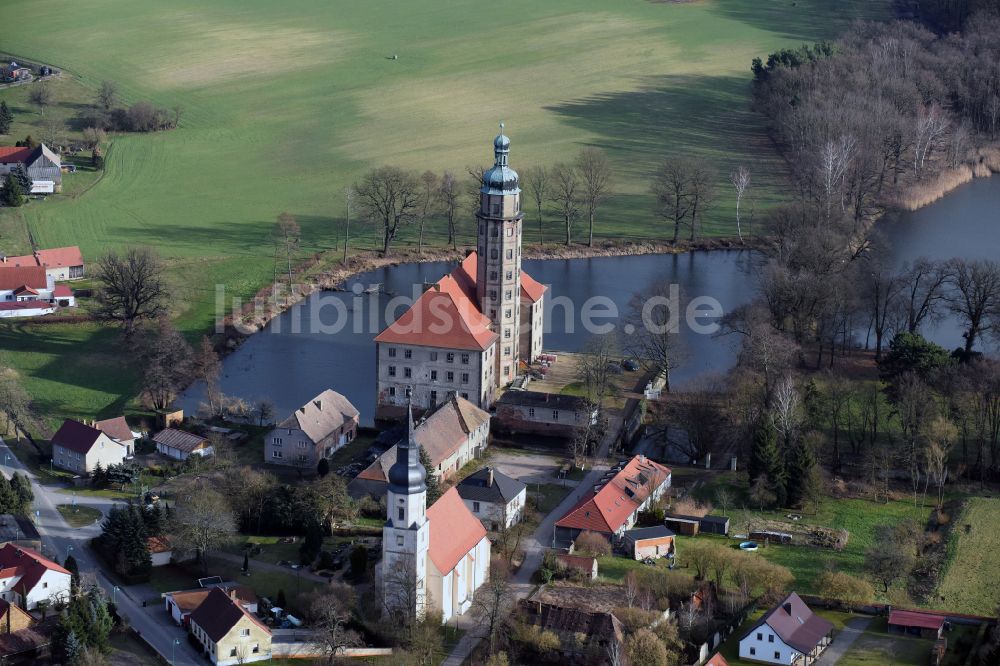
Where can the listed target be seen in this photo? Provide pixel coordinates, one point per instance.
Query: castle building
(468, 331)
(433, 559)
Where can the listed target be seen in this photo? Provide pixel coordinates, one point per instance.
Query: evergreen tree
(152, 515)
(74, 569)
(8, 498)
(323, 468)
(23, 179)
(766, 460)
(22, 490)
(801, 474)
(12, 194)
(433, 489)
(6, 118)
(99, 477)
(312, 544)
(123, 537)
(72, 647)
(246, 563)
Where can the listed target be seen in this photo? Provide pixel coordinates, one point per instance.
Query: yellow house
(228, 633)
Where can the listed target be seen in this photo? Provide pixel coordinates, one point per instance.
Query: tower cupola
(407, 475)
(500, 178)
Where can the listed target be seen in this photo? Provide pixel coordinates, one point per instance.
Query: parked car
(630, 365)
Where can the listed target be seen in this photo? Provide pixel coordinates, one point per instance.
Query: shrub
(634, 619)
(592, 543)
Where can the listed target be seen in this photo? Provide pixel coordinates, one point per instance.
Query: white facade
(496, 513)
(51, 587)
(433, 373)
(42, 308)
(452, 592)
(763, 644)
(161, 559)
(104, 450)
(178, 454)
(406, 538)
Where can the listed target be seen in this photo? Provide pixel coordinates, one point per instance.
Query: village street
(58, 539)
(534, 550)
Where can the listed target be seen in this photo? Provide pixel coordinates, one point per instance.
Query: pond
(309, 348)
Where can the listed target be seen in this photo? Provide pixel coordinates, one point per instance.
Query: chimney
(232, 593)
(489, 477)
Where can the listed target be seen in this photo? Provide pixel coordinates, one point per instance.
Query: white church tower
(499, 247)
(406, 534)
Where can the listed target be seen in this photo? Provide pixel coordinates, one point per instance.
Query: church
(433, 558)
(466, 333)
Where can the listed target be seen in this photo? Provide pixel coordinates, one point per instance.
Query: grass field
(285, 104)
(973, 557)
(78, 515)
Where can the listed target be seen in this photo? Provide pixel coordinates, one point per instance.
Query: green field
(973, 557)
(285, 104)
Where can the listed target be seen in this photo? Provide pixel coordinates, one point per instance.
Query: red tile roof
(454, 531)
(218, 614)
(116, 428)
(531, 288)
(76, 436)
(609, 508)
(20, 291)
(717, 660)
(62, 291)
(31, 565)
(58, 257)
(12, 277)
(23, 260)
(26, 305)
(13, 154)
(158, 545)
(915, 619)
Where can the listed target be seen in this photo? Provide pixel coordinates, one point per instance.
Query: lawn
(79, 515)
(973, 557)
(876, 646)
(285, 104)
(548, 496)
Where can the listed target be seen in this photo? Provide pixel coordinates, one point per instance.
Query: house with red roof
(62, 263)
(433, 558)
(466, 333)
(790, 633)
(41, 164)
(81, 447)
(612, 506)
(28, 289)
(28, 578)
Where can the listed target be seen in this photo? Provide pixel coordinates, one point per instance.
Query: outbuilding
(655, 542)
(181, 445)
(685, 525)
(925, 625)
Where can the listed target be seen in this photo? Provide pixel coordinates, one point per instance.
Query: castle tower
(499, 267)
(406, 534)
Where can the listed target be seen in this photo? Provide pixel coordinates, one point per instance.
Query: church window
(506, 351)
(401, 513)
(507, 294)
(510, 231)
(496, 209)
(510, 254)
(494, 254)
(493, 275)
(399, 539)
(465, 359)
(496, 229)
(434, 375)
(392, 352)
(392, 371)
(465, 378)
(510, 275)
(506, 370)
(434, 356)
(451, 377)
(407, 372)
(507, 314)
(506, 333)
(407, 353)
(493, 294)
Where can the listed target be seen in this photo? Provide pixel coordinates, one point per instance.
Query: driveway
(58, 539)
(843, 641)
(527, 467)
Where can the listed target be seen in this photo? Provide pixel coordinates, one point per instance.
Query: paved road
(534, 548)
(58, 539)
(843, 641)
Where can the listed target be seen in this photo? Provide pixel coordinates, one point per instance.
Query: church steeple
(407, 475)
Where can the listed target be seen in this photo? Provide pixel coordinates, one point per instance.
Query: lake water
(292, 360)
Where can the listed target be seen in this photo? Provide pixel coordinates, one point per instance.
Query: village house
(465, 334)
(493, 497)
(118, 430)
(643, 542)
(27, 291)
(79, 448)
(433, 558)
(160, 550)
(181, 445)
(314, 431)
(228, 633)
(181, 603)
(12, 72)
(546, 414)
(917, 623)
(613, 505)
(41, 164)
(27, 578)
(790, 633)
(582, 633)
(454, 433)
(584, 564)
(61, 263)
(22, 639)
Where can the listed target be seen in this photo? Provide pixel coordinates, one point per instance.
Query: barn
(646, 542)
(925, 625)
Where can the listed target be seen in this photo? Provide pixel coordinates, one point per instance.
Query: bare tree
(670, 186)
(168, 363)
(107, 95)
(595, 368)
(931, 124)
(883, 289)
(536, 181)
(654, 323)
(940, 435)
(975, 297)
(493, 602)
(701, 193)
(595, 171)
(428, 202)
(330, 617)
(449, 194)
(348, 200)
(925, 290)
(41, 95)
(135, 289)
(202, 520)
(389, 197)
(288, 235)
(14, 403)
(740, 178)
(785, 410)
(566, 195)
